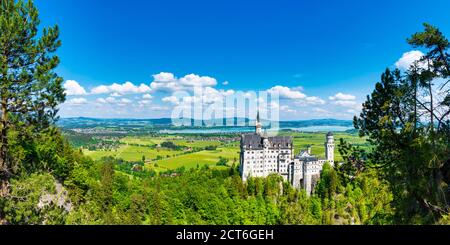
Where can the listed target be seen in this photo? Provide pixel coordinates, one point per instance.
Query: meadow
(317, 141)
(137, 148)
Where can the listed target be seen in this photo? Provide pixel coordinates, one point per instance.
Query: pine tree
(406, 119)
(30, 90)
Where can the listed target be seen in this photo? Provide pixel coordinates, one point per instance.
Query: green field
(133, 148)
(200, 158)
(132, 153)
(317, 141)
(148, 141)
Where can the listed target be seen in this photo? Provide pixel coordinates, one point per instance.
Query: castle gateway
(262, 155)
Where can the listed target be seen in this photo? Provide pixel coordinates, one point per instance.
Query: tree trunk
(4, 163)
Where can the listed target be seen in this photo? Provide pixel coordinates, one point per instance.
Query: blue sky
(324, 56)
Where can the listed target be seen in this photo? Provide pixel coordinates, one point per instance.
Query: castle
(261, 156)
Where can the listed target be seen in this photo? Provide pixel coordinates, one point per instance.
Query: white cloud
(345, 103)
(286, 108)
(159, 108)
(342, 96)
(126, 88)
(225, 83)
(147, 96)
(77, 101)
(196, 80)
(102, 89)
(286, 93)
(171, 99)
(349, 104)
(228, 92)
(101, 101)
(408, 58)
(315, 101)
(164, 77)
(296, 95)
(144, 102)
(165, 81)
(115, 94)
(72, 87)
(124, 101)
(109, 100)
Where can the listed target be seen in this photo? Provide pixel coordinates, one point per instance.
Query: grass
(133, 153)
(317, 141)
(133, 148)
(148, 141)
(200, 158)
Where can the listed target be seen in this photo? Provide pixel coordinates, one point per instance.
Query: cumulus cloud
(126, 88)
(144, 102)
(109, 100)
(342, 96)
(352, 105)
(113, 101)
(124, 101)
(72, 87)
(208, 96)
(345, 103)
(147, 96)
(171, 99)
(296, 95)
(315, 101)
(287, 109)
(408, 58)
(165, 81)
(196, 80)
(159, 108)
(286, 92)
(77, 101)
(225, 83)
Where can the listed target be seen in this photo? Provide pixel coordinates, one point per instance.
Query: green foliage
(410, 134)
(363, 199)
(202, 196)
(222, 161)
(34, 199)
(170, 145)
(400, 175)
(30, 91)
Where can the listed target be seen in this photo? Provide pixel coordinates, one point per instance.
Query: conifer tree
(406, 119)
(30, 90)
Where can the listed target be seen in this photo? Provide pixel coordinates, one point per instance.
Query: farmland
(191, 151)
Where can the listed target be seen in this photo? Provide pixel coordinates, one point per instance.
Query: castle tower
(258, 124)
(329, 148)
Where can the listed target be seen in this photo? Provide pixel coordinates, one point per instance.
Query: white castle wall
(299, 171)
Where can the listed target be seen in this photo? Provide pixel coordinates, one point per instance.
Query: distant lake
(213, 130)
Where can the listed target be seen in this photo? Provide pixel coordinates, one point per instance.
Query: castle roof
(256, 141)
(330, 134)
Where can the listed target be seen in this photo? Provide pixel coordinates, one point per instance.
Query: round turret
(329, 148)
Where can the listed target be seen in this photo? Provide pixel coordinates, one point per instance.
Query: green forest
(403, 179)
